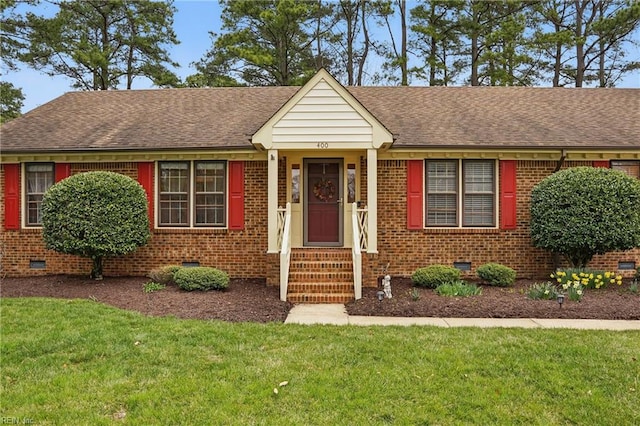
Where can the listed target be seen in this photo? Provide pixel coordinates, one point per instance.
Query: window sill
(191, 231)
(30, 229)
(461, 230)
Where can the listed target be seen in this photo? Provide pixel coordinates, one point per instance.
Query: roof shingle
(225, 118)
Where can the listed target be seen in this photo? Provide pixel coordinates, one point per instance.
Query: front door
(323, 207)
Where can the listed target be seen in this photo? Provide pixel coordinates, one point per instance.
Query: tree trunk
(402, 5)
(474, 48)
(365, 51)
(348, 12)
(96, 270)
(579, 44)
(601, 57)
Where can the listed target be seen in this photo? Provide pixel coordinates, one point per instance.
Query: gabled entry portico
(325, 137)
(322, 121)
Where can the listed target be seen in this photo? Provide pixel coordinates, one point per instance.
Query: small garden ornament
(386, 284)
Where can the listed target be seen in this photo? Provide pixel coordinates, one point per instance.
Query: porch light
(560, 300)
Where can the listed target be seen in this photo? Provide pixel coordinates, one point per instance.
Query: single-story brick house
(321, 183)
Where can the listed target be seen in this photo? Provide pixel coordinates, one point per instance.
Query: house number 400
(323, 145)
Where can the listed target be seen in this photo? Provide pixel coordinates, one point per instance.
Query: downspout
(561, 161)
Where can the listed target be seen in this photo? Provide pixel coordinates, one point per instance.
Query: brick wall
(240, 253)
(407, 250)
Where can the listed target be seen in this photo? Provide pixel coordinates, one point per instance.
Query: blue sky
(193, 21)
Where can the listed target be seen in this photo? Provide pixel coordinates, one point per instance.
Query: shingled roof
(226, 118)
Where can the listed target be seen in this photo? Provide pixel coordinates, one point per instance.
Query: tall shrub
(95, 215)
(584, 211)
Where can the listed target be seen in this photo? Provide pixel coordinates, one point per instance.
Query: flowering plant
(586, 278)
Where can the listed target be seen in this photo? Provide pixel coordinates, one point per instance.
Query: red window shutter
(12, 196)
(602, 164)
(236, 195)
(145, 179)
(63, 170)
(508, 185)
(415, 202)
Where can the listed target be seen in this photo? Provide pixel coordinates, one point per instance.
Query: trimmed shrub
(164, 275)
(584, 211)
(496, 274)
(434, 275)
(201, 278)
(95, 215)
(458, 288)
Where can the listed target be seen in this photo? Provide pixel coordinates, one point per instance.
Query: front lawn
(81, 362)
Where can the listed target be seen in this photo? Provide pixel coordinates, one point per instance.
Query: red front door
(323, 197)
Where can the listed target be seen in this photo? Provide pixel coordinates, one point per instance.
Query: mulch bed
(613, 302)
(251, 300)
(244, 300)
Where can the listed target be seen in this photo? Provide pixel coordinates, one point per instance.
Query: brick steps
(323, 275)
(320, 297)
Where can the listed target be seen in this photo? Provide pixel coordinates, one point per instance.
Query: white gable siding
(322, 115)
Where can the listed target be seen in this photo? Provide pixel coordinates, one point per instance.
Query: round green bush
(95, 215)
(434, 275)
(201, 278)
(584, 211)
(496, 274)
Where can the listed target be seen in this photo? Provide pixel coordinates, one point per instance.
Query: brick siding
(243, 253)
(406, 250)
(240, 253)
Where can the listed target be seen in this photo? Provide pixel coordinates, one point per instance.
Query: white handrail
(356, 252)
(285, 252)
(363, 228)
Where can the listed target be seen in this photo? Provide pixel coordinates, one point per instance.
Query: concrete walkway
(337, 315)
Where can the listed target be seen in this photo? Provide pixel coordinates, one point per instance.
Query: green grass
(81, 362)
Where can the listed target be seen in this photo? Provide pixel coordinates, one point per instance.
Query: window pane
(442, 193)
(478, 210)
(479, 190)
(210, 177)
(442, 176)
(295, 183)
(39, 178)
(209, 209)
(210, 193)
(631, 168)
(441, 210)
(351, 183)
(174, 193)
(478, 177)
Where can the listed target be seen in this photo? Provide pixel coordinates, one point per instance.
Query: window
(38, 178)
(632, 168)
(460, 193)
(200, 204)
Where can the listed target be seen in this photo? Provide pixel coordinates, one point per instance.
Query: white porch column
(372, 199)
(272, 200)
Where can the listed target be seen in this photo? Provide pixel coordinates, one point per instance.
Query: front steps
(320, 275)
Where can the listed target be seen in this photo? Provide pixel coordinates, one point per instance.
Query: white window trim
(23, 193)
(192, 194)
(460, 195)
